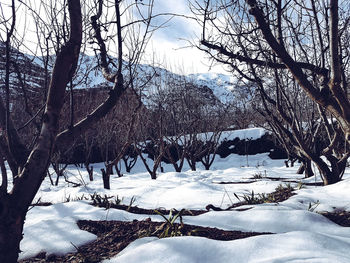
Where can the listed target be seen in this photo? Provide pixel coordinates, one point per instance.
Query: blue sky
(169, 45)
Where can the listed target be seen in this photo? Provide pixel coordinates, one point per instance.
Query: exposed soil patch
(341, 218)
(144, 211)
(238, 182)
(279, 195)
(283, 180)
(308, 184)
(114, 236)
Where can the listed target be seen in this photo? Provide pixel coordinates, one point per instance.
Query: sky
(173, 41)
(169, 46)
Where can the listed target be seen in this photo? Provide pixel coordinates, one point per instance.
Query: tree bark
(329, 176)
(154, 175)
(338, 104)
(308, 169)
(106, 179)
(14, 205)
(301, 168)
(4, 182)
(91, 173)
(11, 229)
(192, 164)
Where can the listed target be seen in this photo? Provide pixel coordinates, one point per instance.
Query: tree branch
(34, 171)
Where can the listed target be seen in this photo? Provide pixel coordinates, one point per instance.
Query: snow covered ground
(301, 234)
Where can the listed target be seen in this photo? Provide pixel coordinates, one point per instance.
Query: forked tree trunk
(59, 171)
(286, 163)
(192, 163)
(329, 176)
(156, 163)
(177, 167)
(129, 164)
(153, 175)
(128, 169)
(14, 205)
(292, 161)
(208, 159)
(306, 168)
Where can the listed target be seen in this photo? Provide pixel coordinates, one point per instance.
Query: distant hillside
(214, 89)
(27, 78)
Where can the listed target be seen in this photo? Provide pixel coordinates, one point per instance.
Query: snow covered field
(301, 234)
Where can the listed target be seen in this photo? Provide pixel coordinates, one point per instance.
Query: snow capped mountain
(213, 89)
(27, 77)
(150, 81)
(222, 85)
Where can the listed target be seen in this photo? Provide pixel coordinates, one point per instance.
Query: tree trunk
(90, 170)
(207, 161)
(129, 165)
(177, 168)
(49, 175)
(154, 175)
(301, 168)
(328, 176)
(5, 153)
(14, 206)
(4, 182)
(292, 161)
(11, 228)
(58, 177)
(191, 163)
(118, 170)
(91, 173)
(308, 169)
(105, 178)
(193, 167)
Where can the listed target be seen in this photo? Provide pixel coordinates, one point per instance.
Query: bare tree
(305, 41)
(33, 163)
(151, 142)
(14, 205)
(211, 144)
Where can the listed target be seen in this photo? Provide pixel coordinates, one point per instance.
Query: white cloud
(178, 57)
(170, 45)
(165, 45)
(174, 6)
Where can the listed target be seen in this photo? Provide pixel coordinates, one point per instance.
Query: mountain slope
(27, 73)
